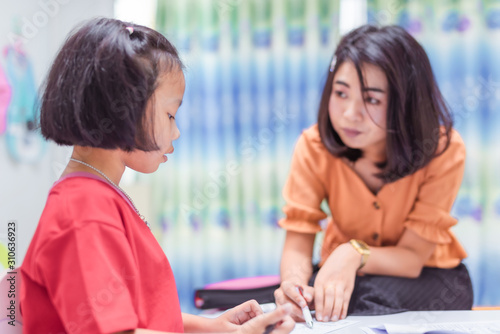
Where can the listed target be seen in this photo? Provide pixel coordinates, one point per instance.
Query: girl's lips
(350, 132)
(165, 158)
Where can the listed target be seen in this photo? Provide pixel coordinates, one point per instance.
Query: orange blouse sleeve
(304, 191)
(430, 216)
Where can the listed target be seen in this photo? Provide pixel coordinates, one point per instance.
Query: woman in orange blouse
(389, 165)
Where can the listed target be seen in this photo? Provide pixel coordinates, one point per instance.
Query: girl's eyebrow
(371, 89)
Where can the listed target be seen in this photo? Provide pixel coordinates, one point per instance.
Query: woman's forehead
(372, 74)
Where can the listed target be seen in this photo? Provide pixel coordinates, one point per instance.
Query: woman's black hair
(99, 85)
(417, 115)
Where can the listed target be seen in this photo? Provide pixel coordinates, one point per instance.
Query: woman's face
(359, 117)
(166, 100)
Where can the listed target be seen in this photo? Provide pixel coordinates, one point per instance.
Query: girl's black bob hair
(98, 87)
(417, 115)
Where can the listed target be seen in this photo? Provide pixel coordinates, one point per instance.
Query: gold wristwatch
(362, 248)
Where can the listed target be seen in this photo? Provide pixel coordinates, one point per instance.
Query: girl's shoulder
(80, 185)
(74, 201)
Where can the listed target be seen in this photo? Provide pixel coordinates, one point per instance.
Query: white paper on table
(321, 327)
(379, 329)
(485, 327)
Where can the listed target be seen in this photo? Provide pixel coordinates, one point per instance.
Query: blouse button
(376, 205)
(375, 236)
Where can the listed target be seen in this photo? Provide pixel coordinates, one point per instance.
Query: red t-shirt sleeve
(91, 275)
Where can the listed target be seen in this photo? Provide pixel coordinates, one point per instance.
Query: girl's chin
(148, 169)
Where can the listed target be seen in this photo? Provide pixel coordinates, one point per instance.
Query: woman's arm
(296, 270)
(429, 221)
(335, 281)
(296, 261)
(406, 259)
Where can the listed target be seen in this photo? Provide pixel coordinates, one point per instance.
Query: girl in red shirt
(93, 265)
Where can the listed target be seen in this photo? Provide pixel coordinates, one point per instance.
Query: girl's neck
(108, 162)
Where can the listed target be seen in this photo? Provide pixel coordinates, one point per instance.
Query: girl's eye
(170, 116)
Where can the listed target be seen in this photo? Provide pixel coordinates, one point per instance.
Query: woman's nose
(354, 111)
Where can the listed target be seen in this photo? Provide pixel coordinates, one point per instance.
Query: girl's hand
(287, 293)
(249, 318)
(240, 314)
(275, 322)
(335, 282)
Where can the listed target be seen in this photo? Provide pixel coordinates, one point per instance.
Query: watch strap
(362, 248)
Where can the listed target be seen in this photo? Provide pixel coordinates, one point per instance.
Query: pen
(269, 329)
(305, 310)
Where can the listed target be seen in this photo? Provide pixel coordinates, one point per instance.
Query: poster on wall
(24, 141)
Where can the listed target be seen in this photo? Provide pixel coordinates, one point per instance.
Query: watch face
(361, 246)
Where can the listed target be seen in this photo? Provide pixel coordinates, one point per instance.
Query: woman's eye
(373, 101)
(340, 94)
(170, 116)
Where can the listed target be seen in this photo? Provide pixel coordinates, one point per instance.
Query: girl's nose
(177, 133)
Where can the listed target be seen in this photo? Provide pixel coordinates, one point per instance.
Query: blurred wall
(27, 167)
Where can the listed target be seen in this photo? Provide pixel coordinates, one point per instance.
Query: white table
(419, 317)
(413, 317)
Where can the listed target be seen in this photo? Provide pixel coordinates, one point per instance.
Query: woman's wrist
(363, 249)
(348, 255)
(297, 276)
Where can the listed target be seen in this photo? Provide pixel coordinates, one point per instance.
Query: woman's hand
(248, 318)
(288, 293)
(335, 282)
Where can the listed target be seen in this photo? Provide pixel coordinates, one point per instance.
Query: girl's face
(166, 101)
(359, 117)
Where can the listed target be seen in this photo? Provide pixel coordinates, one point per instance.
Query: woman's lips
(351, 133)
